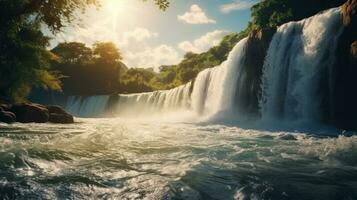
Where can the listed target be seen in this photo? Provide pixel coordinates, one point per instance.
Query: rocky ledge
(34, 113)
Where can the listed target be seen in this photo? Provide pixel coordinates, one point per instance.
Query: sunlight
(113, 9)
(114, 6)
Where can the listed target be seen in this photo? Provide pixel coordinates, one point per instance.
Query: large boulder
(29, 112)
(5, 107)
(349, 10)
(7, 117)
(354, 51)
(56, 109)
(61, 118)
(58, 115)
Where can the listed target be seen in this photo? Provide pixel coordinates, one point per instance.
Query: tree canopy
(24, 59)
(106, 52)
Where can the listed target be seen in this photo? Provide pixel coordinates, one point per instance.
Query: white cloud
(236, 5)
(137, 35)
(195, 16)
(153, 57)
(203, 43)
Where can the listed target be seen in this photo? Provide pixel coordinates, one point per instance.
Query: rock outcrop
(6, 116)
(58, 115)
(28, 113)
(33, 113)
(349, 12)
(343, 114)
(249, 83)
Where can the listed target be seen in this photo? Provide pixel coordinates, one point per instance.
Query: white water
(213, 93)
(299, 54)
(92, 106)
(215, 88)
(119, 158)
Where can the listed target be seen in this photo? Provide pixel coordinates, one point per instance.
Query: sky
(148, 37)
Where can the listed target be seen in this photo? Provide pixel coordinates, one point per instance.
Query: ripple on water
(123, 159)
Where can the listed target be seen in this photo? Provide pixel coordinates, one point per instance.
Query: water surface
(128, 159)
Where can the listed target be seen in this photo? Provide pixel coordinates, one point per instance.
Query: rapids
(130, 159)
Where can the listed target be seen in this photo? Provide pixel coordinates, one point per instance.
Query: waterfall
(92, 106)
(297, 68)
(174, 100)
(211, 93)
(215, 88)
(296, 81)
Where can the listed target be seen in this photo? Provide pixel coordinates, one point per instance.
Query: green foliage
(193, 63)
(162, 4)
(73, 52)
(89, 71)
(24, 60)
(272, 13)
(106, 52)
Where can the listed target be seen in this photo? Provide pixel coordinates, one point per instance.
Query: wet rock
(354, 51)
(30, 112)
(56, 109)
(349, 10)
(7, 117)
(61, 118)
(250, 77)
(5, 107)
(343, 113)
(59, 115)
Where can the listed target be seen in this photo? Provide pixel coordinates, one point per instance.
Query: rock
(5, 107)
(343, 105)
(354, 50)
(59, 115)
(349, 10)
(61, 118)
(56, 109)
(256, 50)
(7, 117)
(30, 112)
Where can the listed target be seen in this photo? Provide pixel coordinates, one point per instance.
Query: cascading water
(176, 99)
(92, 106)
(214, 89)
(213, 93)
(298, 57)
(296, 78)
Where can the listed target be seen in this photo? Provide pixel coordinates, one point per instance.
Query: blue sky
(148, 37)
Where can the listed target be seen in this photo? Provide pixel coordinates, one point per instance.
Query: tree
(88, 73)
(163, 4)
(24, 60)
(73, 53)
(106, 52)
